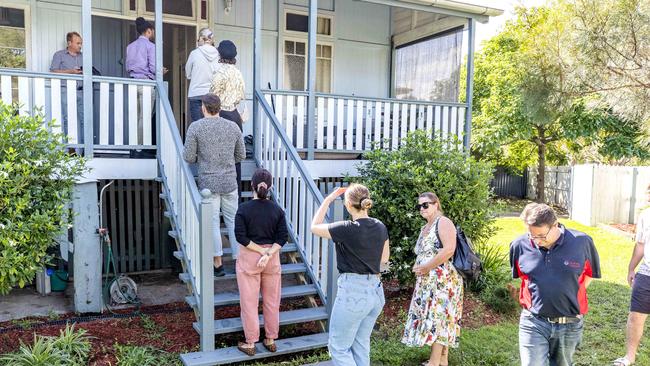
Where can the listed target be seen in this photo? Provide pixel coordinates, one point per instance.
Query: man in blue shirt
(555, 266)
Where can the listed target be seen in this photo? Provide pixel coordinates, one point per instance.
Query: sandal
(270, 346)
(623, 361)
(250, 351)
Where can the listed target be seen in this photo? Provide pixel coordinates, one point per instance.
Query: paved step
(230, 355)
(230, 272)
(223, 326)
(287, 248)
(232, 297)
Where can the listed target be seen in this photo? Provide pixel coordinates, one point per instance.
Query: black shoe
(219, 272)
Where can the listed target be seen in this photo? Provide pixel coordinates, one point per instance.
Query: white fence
(557, 185)
(353, 124)
(596, 194)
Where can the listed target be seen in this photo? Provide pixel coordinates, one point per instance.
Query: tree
(611, 44)
(36, 180)
(528, 109)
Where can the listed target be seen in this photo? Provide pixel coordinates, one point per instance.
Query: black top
(553, 281)
(261, 221)
(359, 245)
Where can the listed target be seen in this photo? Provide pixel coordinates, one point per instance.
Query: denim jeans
(542, 343)
(195, 108)
(358, 303)
(226, 203)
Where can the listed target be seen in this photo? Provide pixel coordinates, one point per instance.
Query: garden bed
(168, 328)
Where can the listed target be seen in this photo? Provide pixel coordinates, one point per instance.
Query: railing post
(86, 17)
(206, 281)
(311, 79)
(332, 270)
(257, 59)
(469, 85)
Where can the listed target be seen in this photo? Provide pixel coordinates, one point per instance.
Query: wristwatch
(268, 254)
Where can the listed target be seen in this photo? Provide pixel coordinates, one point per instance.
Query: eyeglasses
(423, 205)
(541, 237)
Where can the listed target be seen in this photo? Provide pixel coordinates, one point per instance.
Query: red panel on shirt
(524, 293)
(582, 289)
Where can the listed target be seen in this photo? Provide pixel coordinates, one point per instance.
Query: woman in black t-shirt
(361, 247)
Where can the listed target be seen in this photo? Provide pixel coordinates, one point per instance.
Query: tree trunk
(541, 166)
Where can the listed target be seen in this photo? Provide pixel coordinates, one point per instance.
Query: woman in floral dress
(437, 303)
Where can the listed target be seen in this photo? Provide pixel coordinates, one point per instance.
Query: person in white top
(640, 282)
(201, 65)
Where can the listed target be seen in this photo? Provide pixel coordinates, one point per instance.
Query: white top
(200, 66)
(643, 236)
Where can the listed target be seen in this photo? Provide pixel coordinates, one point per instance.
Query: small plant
(70, 348)
(52, 315)
(41, 353)
(23, 323)
(74, 344)
(154, 330)
(492, 285)
(136, 356)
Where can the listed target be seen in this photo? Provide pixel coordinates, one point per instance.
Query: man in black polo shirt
(555, 265)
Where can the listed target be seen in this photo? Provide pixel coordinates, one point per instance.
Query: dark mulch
(173, 326)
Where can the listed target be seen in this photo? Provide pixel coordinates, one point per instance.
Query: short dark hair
(212, 103)
(538, 214)
(141, 25)
(71, 35)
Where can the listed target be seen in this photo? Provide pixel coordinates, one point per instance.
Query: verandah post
(206, 278)
(311, 79)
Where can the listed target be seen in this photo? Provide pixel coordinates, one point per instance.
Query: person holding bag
(437, 303)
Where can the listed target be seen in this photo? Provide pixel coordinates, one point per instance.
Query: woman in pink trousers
(261, 230)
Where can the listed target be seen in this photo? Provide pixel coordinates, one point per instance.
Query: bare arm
(386, 253)
(637, 256)
(447, 233)
(317, 226)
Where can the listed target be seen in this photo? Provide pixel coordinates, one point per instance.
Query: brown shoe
(270, 346)
(242, 346)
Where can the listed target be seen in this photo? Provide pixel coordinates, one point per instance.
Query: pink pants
(249, 280)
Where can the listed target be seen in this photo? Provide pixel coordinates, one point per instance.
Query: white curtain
(429, 70)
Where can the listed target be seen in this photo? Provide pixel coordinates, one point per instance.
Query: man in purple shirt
(141, 53)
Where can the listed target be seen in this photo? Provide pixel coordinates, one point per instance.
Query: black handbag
(466, 262)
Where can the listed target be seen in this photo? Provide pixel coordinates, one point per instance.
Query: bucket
(59, 280)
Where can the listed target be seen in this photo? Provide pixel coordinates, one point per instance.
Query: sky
(492, 28)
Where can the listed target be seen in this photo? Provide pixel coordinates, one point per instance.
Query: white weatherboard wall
(608, 194)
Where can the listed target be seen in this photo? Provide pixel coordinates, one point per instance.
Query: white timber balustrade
(356, 124)
(123, 108)
(295, 191)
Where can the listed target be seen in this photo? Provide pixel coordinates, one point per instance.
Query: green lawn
(604, 337)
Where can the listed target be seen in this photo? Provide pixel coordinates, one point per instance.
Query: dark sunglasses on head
(423, 205)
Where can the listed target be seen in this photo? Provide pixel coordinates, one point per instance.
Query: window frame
(28, 26)
(304, 40)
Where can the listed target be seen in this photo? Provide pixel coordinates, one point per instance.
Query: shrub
(421, 164)
(70, 348)
(492, 285)
(36, 180)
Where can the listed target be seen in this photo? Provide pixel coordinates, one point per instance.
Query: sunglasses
(423, 205)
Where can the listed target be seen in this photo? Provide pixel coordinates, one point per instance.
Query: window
(295, 66)
(300, 23)
(183, 8)
(12, 38)
(429, 69)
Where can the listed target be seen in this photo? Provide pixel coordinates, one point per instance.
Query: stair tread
(232, 297)
(230, 272)
(232, 354)
(230, 325)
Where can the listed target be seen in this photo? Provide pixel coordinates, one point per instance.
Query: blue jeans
(195, 108)
(358, 303)
(542, 343)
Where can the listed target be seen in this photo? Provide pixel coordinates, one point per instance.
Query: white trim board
(105, 168)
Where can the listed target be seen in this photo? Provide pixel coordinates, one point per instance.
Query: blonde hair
(358, 196)
(205, 36)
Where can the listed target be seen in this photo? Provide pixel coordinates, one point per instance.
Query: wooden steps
(230, 272)
(232, 297)
(230, 355)
(230, 325)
